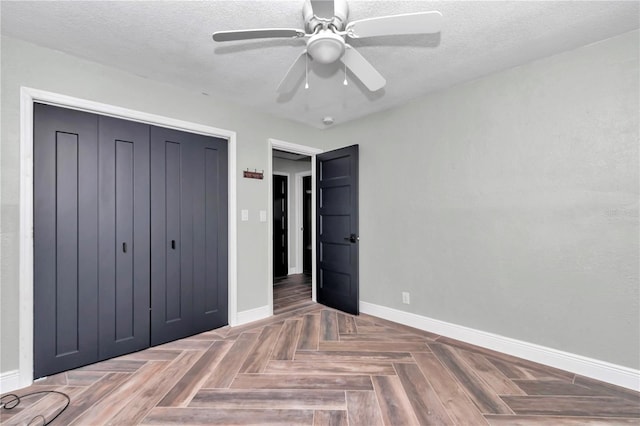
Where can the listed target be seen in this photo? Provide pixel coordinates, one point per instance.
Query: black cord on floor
(12, 400)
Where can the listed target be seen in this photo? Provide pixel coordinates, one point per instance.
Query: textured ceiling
(171, 41)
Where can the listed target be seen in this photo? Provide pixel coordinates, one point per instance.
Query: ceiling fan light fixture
(325, 47)
(327, 39)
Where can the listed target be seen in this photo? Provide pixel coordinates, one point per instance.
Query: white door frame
(296, 149)
(299, 231)
(288, 176)
(27, 98)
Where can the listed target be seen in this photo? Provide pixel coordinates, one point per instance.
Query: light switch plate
(245, 215)
(263, 215)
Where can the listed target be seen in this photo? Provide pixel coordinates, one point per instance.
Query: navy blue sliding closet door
(188, 234)
(171, 236)
(65, 162)
(123, 236)
(130, 237)
(210, 239)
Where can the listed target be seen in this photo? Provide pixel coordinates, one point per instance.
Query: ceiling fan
(326, 38)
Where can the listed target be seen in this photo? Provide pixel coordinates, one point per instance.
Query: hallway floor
(291, 292)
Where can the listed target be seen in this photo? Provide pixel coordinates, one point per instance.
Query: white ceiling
(171, 41)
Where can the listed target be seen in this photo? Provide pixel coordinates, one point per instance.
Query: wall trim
(589, 367)
(9, 380)
(25, 299)
(255, 314)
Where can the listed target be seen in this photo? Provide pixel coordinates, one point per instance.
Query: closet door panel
(171, 236)
(130, 237)
(124, 283)
(124, 237)
(65, 239)
(173, 243)
(210, 242)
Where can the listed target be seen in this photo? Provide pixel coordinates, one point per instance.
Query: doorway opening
(291, 287)
(292, 226)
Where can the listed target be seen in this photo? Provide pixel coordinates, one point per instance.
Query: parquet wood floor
(311, 365)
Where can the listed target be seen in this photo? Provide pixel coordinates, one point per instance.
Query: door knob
(353, 238)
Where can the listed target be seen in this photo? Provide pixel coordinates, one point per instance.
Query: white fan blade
(322, 8)
(292, 77)
(263, 33)
(362, 69)
(410, 23)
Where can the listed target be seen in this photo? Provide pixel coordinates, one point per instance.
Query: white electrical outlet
(406, 298)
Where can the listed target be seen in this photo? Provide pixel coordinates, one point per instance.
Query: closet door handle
(124, 247)
(173, 244)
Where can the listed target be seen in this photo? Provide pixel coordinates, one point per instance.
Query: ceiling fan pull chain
(345, 75)
(306, 72)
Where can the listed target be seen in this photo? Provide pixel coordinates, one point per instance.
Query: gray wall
(510, 204)
(295, 192)
(24, 64)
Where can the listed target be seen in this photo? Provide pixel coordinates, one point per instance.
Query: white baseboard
(293, 270)
(253, 315)
(589, 367)
(10, 381)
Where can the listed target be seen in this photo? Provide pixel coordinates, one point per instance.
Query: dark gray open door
(337, 224)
